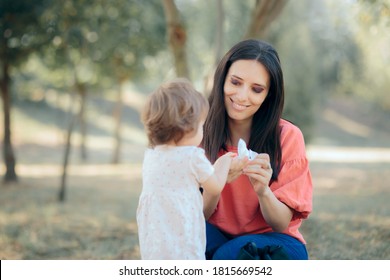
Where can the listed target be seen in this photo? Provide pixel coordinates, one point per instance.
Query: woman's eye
(235, 82)
(257, 89)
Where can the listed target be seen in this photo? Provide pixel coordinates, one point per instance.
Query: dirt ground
(350, 161)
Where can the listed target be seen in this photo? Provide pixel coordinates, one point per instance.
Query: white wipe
(243, 151)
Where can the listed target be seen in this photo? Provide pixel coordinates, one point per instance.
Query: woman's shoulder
(291, 137)
(289, 129)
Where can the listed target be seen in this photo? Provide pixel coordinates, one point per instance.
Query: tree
(131, 32)
(110, 37)
(366, 74)
(264, 13)
(21, 34)
(177, 37)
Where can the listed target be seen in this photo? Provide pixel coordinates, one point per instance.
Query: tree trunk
(263, 14)
(68, 147)
(117, 113)
(220, 32)
(8, 153)
(82, 122)
(68, 144)
(177, 37)
(208, 79)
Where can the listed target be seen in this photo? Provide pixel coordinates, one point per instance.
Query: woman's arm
(277, 214)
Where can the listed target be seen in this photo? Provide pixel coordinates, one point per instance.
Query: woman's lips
(237, 106)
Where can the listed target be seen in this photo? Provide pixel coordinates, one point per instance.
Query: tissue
(243, 151)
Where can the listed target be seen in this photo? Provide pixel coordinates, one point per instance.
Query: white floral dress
(170, 217)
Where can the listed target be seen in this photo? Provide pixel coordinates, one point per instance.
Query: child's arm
(213, 186)
(215, 183)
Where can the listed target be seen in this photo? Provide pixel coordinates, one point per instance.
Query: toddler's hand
(228, 157)
(236, 167)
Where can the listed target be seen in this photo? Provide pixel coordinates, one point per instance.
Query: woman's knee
(231, 249)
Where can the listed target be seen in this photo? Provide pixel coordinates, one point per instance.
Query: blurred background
(75, 74)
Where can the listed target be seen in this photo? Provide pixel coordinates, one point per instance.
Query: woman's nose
(242, 93)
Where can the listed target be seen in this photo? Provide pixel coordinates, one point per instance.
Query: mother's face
(246, 86)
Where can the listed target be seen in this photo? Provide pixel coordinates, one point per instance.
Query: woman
(265, 199)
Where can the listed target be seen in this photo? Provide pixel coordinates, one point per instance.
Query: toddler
(170, 219)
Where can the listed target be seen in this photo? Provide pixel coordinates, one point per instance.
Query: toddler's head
(173, 110)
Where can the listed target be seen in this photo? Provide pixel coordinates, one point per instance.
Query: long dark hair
(265, 130)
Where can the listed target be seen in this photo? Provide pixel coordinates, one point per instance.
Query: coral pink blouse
(238, 211)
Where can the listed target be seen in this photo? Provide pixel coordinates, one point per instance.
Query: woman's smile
(237, 106)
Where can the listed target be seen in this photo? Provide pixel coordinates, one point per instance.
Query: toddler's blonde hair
(174, 109)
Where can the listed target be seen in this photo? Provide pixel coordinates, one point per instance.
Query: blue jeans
(221, 246)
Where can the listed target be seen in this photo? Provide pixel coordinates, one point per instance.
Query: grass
(95, 222)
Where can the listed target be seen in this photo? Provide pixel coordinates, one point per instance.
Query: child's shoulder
(179, 149)
(195, 149)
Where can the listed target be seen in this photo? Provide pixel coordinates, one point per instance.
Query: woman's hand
(236, 168)
(259, 172)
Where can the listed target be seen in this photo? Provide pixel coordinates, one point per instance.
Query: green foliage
(327, 47)
(129, 32)
(96, 43)
(201, 23)
(298, 47)
(21, 31)
(333, 48)
(369, 78)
